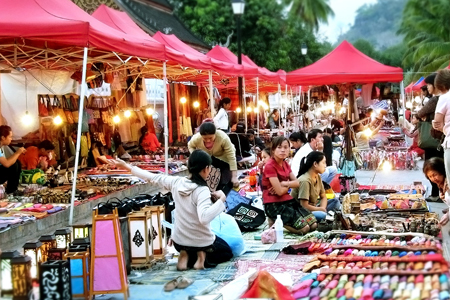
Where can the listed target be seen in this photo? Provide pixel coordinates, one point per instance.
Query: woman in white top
(196, 207)
(221, 118)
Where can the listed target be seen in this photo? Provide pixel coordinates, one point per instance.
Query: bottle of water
(279, 229)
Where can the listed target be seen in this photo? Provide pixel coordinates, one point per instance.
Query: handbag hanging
(42, 108)
(426, 141)
(57, 109)
(67, 110)
(74, 103)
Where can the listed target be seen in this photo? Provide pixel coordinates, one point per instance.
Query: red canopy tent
(345, 64)
(59, 24)
(224, 54)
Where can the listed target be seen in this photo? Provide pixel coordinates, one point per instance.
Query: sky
(344, 17)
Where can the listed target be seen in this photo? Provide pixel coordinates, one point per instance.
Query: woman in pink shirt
(278, 178)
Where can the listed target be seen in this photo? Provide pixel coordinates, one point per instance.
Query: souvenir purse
(67, 110)
(57, 108)
(42, 108)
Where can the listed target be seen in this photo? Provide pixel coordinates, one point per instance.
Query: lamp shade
(63, 237)
(79, 272)
(55, 281)
(5, 268)
(238, 7)
(48, 242)
(81, 231)
(159, 237)
(141, 244)
(21, 277)
(34, 251)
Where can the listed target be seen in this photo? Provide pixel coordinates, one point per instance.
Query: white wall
(14, 95)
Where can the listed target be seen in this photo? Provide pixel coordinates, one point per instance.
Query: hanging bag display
(49, 105)
(42, 108)
(74, 102)
(67, 110)
(57, 108)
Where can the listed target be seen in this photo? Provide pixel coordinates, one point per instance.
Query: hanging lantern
(21, 277)
(48, 242)
(5, 269)
(33, 250)
(141, 242)
(81, 231)
(63, 237)
(55, 280)
(159, 238)
(79, 272)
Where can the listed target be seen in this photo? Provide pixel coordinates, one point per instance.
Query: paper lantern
(21, 277)
(140, 228)
(34, 251)
(5, 269)
(159, 236)
(81, 231)
(48, 242)
(79, 272)
(54, 280)
(63, 237)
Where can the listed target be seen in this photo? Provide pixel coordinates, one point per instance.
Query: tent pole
(257, 106)
(80, 122)
(245, 104)
(166, 127)
(211, 95)
(285, 109)
(402, 94)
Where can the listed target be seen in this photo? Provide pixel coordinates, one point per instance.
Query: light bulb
(249, 109)
(238, 110)
(368, 132)
(409, 104)
(27, 119)
(127, 114)
(196, 104)
(183, 100)
(57, 120)
(387, 166)
(149, 111)
(116, 119)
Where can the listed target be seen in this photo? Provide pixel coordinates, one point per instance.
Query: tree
(269, 38)
(311, 12)
(367, 48)
(426, 27)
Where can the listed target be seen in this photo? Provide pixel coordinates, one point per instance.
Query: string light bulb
(183, 100)
(249, 109)
(149, 111)
(386, 166)
(116, 119)
(368, 132)
(57, 120)
(196, 104)
(238, 110)
(27, 119)
(127, 114)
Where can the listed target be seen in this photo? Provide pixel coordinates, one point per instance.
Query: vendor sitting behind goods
(41, 157)
(434, 170)
(216, 143)
(311, 192)
(363, 136)
(10, 167)
(148, 141)
(255, 141)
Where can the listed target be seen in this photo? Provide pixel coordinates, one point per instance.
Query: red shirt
(272, 169)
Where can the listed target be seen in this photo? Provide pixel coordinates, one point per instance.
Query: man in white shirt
(315, 136)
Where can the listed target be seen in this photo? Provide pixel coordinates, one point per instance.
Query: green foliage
(269, 38)
(378, 23)
(312, 12)
(426, 27)
(392, 56)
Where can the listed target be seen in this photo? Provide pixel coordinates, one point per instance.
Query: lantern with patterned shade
(21, 277)
(54, 280)
(34, 250)
(5, 269)
(48, 242)
(159, 236)
(81, 231)
(79, 272)
(140, 226)
(63, 238)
